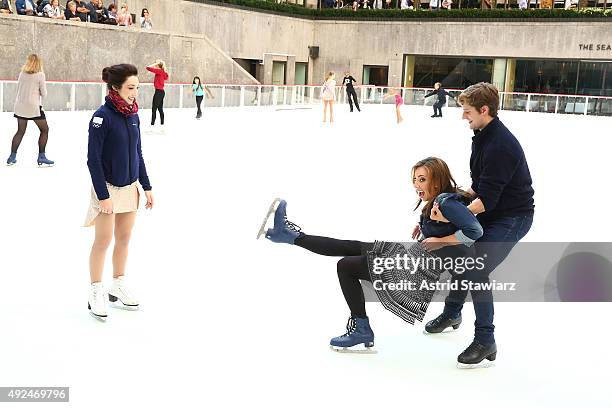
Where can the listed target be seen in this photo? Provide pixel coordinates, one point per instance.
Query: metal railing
(77, 96)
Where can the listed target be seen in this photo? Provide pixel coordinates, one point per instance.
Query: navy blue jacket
(499, 171)
(114, 154)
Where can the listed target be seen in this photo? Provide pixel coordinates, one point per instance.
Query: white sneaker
(97, 300)
(118, 292)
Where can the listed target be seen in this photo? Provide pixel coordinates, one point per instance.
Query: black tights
(351, 268)
(199, 103)
(22, 124)
(158, 105)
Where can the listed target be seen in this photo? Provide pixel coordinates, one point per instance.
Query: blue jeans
(500, 236)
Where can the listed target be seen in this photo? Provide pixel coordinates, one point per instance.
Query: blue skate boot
(284, 231)
(43, 161)
(12, 159)
(358, 331)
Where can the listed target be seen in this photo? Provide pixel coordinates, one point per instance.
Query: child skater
(198, 90)
(441, 101)
(399, 101)
(328, 95)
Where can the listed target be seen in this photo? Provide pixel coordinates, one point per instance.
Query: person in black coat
(441, 93)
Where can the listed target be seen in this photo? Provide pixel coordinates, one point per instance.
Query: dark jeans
(499, 238)
(158, 105)
(437, 107)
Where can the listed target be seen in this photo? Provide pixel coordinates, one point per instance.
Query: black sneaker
(475, 354)
(440, 323)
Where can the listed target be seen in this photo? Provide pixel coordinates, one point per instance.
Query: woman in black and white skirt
(436, 188)
(31, 90)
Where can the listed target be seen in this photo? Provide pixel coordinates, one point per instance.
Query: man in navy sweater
(503, 203)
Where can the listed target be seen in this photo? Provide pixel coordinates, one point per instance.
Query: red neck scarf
(120, 103)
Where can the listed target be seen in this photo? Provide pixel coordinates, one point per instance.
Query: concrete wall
(79, 51)
(240, 33)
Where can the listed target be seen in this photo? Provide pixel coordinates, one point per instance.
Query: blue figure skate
(284, 231)
(12, 159)
(43, 161)
(358, 331)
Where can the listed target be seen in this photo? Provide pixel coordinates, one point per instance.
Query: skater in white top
(328, 95)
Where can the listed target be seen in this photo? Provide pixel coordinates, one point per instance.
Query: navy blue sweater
(500, 175)
(114, 154)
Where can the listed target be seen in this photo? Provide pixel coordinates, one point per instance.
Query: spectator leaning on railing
(100, 10)
(25, 7)
(81, 11)
(71, 12)
(112, 14)
(5, 7)
(124, 18)
(54, 11)
(145, 20)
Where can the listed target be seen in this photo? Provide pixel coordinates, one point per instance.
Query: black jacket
(441, 92)
(499, 171)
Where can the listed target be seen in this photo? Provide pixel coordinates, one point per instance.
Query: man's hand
(476, 206)
(433, 243)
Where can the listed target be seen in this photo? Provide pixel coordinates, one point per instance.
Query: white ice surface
(230, 321)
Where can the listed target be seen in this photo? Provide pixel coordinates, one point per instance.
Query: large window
(541, 76)
(595, 78)
(375, 75)
(451, 72)
(564, 77)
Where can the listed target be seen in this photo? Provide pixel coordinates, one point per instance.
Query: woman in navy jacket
(115, 163)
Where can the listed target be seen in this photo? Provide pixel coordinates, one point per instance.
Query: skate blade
(119, 305)
(442, 332)
(483, 364)
(42, 166)
(351, 350)
(98, 317)
(271, 211)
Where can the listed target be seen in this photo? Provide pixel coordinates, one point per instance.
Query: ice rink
(229, 321)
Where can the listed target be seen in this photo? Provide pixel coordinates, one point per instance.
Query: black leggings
(22, 124)
(351, 268)
(438, 108)
(350, 92)
(158, 105)
(199, 103)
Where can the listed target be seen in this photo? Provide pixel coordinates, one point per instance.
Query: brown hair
(440, 176)
(479, 95)
(33, 64)
(116, 75)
